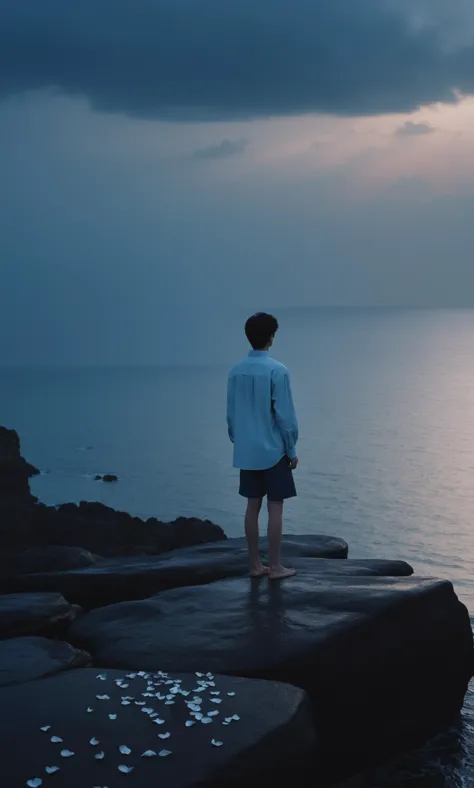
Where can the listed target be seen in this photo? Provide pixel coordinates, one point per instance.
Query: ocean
(385, 400)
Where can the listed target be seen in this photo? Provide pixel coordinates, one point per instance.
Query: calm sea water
(386, 408)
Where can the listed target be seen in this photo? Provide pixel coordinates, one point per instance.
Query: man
(264, 430)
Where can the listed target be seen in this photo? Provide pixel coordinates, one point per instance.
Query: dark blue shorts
(276, 483)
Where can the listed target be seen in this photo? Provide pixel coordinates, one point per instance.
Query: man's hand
(294, 463)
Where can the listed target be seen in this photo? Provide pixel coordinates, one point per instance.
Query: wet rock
(116, 580)
(110, 477)
(29, 658)
(385, 661)
(271, 740)
(33, 614)
(51, 558)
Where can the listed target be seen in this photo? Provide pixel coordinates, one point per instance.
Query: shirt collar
(258, 353)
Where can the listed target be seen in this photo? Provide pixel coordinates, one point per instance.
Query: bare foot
(259, 571)
(280, 572)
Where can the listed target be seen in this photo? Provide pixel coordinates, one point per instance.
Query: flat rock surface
(28, 658)
(386, 661)
(273, 731)
(121, 579)
(33, 614)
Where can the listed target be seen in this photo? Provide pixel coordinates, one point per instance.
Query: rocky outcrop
(103, 530)
(29, 658)
(117, 580)
(269, 736)
(16, 502)
(34, 614)
(385, 661)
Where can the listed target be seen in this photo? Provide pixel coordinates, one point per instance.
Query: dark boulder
(103, 530)
(271, 740)
(386, 661)
(110, 477)
(98, 478)
(33, 614)
(117, 580)
(29, 658)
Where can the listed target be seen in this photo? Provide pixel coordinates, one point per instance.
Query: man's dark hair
(260, 329)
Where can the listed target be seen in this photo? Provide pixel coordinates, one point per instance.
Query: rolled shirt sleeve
(284, 409)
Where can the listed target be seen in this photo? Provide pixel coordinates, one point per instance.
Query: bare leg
(275, 528)
(251, 532)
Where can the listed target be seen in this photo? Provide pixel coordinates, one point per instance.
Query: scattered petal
(164, 753)
(169, 703)
(159, 722)
(35, 783)
(228, 719)
(124, 749)
(231, 694)
(164, 735)
(94, 741)
(125, 769)
(194, 706)
(89, 709)
(209, 675)
(198, 715)
(236, 717)
(66, 754)
(56, 739)
(206, 720)
(102, 676)
(200, 675)
(140, 703)
(216, 700)
(131, 675)
(212, 713)
(45, 728)
(51, 769)
(125, 703)
(147, 711)
(102, 697)
(189, 723)
(148, 754)
(185, 693)
(99, 756)
(216, 743)
(226, 723)
(215, 692)
(112, 716)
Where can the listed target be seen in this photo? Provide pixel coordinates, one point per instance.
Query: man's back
(260, 412)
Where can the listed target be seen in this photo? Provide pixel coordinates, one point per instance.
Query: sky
(165, 162)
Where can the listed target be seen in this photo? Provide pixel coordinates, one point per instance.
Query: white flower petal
(216, 743)
(45, 728)
(164, 735)
(112, 716)
(51, 769)
(125, 769)
(35, 782)
(66, 754)
(189, 723)
(94, 741)
(56, 739)
(164, 753)
(99, 756)
(124, 749)
(148, 754)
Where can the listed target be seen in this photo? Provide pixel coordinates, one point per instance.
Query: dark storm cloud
(210, 59)
(223, 150)
(410, 129)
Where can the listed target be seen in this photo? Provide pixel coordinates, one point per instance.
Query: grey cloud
(410, 129)
(239, 59)
(222, 150)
